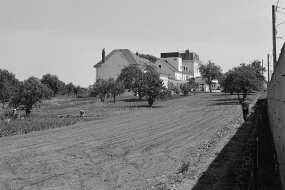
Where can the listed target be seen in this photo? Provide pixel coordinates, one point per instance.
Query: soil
(169, 146)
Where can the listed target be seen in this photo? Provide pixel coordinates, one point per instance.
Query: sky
(66, 37)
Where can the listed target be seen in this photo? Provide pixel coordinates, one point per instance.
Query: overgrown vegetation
(189, 86)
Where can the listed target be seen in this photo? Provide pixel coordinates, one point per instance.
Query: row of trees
(32, 90)
(242, 79)
(144, 81)
(106, 88)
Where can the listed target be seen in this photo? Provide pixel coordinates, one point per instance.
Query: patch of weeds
(184, 167)
(161, 186)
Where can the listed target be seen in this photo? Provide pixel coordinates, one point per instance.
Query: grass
(36, 123)
(65, 112)
(55, 114)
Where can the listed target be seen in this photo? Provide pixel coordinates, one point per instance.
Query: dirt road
(134, 150)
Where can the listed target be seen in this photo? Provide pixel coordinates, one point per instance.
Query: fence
(276, 111)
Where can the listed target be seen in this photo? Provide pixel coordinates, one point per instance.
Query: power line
(280, 12)
(281, 7)
(280, 24)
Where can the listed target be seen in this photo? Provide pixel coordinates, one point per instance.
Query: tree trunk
(114, 98)
(3, 102)
(245, 93)
(238, 96)
(150, 101)
(140, 95)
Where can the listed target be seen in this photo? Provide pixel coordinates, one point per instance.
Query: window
(159, 66)
(184, 68)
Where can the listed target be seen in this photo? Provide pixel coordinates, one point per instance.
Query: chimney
(187, 54)
(103, 55)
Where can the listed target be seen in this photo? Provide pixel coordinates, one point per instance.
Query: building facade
(112, 64)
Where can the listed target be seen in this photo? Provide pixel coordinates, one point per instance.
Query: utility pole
(274, 36)
(262, 67)
(268, 66)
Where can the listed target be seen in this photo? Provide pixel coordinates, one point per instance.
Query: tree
(243, 79)
(247, 78)
(151, 58)
(76, 90)
(209, 72)
(69, 88)
(152, 85)
(116, 88)
(8, 85)
(101, 88)
(53, 82)
(131, 76)
(30, 92)
(62, 88)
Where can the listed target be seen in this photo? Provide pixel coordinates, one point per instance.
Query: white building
(173, 66)
(182, 66)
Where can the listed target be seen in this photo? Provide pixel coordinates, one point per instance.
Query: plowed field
(139, 149)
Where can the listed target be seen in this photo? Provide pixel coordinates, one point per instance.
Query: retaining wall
(276, 111)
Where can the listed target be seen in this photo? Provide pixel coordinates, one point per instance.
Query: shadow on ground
(222, 172)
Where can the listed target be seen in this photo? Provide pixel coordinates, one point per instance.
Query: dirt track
(134, 150)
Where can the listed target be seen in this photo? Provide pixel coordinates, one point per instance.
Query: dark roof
(168, 64)
(161, 71)
(126, 54)
(187, 55)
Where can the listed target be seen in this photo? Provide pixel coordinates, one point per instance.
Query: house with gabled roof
(112, 64)
(173, 66)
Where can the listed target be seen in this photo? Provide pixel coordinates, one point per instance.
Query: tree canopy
(132, 76)
(209, 72)
(152, 85)
(244, 78)
(69, 88)
(101, 88)
(116, 88)
(29, 93)
(151, 58)
(53, 82)
(8, 85)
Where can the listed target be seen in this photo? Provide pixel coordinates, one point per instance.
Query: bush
(185, 88)
(174, 88)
